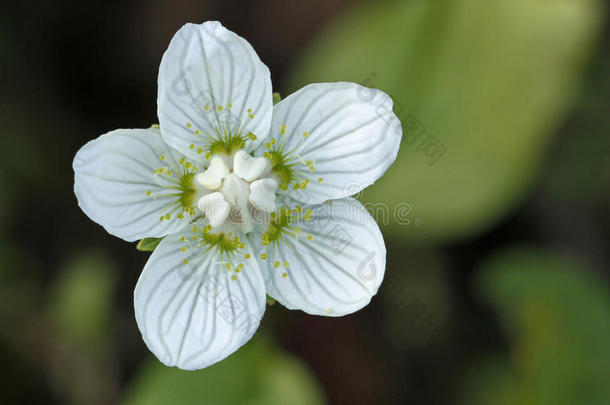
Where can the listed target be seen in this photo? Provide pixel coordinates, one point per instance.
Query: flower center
(239, 193)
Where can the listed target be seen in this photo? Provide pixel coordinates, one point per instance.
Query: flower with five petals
(250, 198)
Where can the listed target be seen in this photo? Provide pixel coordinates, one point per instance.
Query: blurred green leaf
(557, 315)
(81, 300)
(488, 80)
(148, 244)
(579, 171)
(257, 374)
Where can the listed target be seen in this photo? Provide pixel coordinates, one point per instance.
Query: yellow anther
(286, 264)
(233, 277)
(195, 237)
(312, 169)
(228, 266)
(320, 179)
(195, 229)
(276, 264)
(208, 155)
(199, 151)
(148, 192)
(183, 248)
(249, 110)
(309, 237)
(284, 275)
(219, 108)
(264, 256)
(273, 141)
(207, 108)
(168, 216)
(268, 145)
(241, 246)
(188, 124)
(283, 130)
(247, 255)
(185, 261)
(305, 134)
(188, 165)
(197, 132)
(182, 239)
(162, 218)
(296, 186)
(181, 161)
(240, 267)
(252, 136)
(229, 105)
(162, 157)
(191, 146)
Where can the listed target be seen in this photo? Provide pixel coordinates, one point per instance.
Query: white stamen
(262, 194)
(215, 207)
(248, 167)
(213, 176)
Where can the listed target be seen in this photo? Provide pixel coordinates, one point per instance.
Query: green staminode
(228, 145)
(188, 191)
(222, 242)
(281, 165)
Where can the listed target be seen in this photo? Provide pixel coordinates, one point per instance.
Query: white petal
(194, 315)
(115, 185)
(212, 177)
(248, 167)
(352, 137)
(337, 271)
(215, 207)
(262, 194)
(207, 65)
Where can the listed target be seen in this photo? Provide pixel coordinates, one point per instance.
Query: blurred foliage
(557, 315)
(257, 374)
(580, 168)
(81, 301)
(488, 80)
(80, 313)
(417, 301)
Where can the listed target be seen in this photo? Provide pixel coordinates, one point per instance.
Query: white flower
(252, 198)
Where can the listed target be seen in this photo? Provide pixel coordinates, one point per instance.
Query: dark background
(443, 328)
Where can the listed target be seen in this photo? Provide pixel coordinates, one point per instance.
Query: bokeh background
(496, 221)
